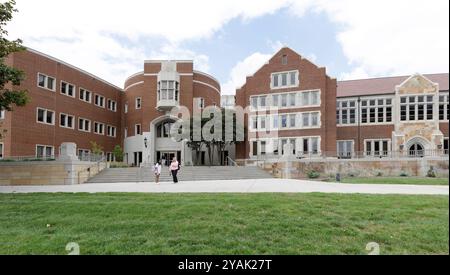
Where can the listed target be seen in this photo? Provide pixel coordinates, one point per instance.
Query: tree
(9, 74)
(118, 153)
(9, 96)
(96, 149)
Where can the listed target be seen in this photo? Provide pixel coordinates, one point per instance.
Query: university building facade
(313, 113)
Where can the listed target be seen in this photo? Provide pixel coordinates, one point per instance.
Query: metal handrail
(230, 160)
(90, 168)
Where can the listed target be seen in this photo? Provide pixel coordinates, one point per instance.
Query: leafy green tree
(118, 153)
(9, 75)
(9, 97)
(96, 149)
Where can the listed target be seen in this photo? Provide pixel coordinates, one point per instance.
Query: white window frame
(66, 92)
(297, 95)
(340, 109)
(45, 116)
(110, 104)
(46, 82)
(271, 118)
(416, 108)
(102, 133)
(125, 108)
(445, 104)
(100, 97)
(110, 132)
(372, 151)
(84, 120)
(135, 129)
(288, 84)
(2, 114)
(83, 91)
(352, 147)
(376, 107)
(138, 103)
(66, 121)
(45, 150)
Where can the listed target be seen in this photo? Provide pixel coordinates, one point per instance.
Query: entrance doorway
(137, 159)
(416, 150)
(166, 157)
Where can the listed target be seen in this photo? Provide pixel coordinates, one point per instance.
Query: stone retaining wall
(298, 169)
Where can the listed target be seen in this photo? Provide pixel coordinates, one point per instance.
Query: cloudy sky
(232, 38)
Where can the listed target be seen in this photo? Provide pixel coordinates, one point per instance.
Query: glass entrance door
(166, 157)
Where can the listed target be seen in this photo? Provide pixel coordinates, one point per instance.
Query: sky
(231, 39)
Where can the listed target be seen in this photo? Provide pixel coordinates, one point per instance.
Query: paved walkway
(236, 186)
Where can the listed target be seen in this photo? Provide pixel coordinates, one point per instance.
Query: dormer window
(284, 60)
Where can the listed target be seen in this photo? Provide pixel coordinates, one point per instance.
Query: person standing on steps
(157, 171)
(173, 168)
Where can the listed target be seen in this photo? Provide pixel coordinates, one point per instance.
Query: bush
(313, 174)
(379, 174)
(403, 174)
(431, 173)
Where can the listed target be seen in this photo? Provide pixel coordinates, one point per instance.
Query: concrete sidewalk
(236, 186)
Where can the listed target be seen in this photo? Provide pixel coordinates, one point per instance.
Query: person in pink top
(174, 167)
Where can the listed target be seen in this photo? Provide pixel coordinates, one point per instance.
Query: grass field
(397, 180)
(223, 223)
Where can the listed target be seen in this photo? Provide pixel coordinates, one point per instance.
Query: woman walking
(157, 171)
(173, 168)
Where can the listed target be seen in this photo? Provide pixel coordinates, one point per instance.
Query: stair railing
(231, 162)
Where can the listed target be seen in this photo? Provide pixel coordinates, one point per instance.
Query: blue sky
(230, 39)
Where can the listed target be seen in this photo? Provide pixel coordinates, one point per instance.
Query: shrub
(313, 174)
(379, 174)
(431, 173)
(403, 174)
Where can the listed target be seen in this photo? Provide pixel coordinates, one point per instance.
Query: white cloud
(243, 69)
(380, 37)
(386, 37)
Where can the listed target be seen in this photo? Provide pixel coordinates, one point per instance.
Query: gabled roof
(385, 85)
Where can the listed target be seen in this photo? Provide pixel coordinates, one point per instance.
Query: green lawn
(398, 180)
(223, 223)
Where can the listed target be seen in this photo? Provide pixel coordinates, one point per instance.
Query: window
(345, 148)
(284, 100)
(275, 147)
(346, 112)
(85, 95)
(109, 157)
(275, 102)
(2, 114)
(1, 151)
(258, 102)
(377, 147)
(111, 131)
(444, 109)
(255, 148)
(99, 128)
(284, 123)
(112, 105)
(284, 60)
(168, 90)
(262, 122)
(126, 108)
(372, 111)
(84, 125)
(99, 101)
(200, 102)
(310, 120)
(67, 89)
(138, 103)
(254, 123)
(263, 147)
(66, 121)
(284, 80)
(163, 129)
(46, 82)
(45, 116)
(446, 146)
(292, 120)
(137, 129)
(275, 122)
(292, 99)
(416, 108)
(310, 98)
(44, 151)
(310, 145)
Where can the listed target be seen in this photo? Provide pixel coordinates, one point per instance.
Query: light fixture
(145, 142)
(439, 146)
(402, 146)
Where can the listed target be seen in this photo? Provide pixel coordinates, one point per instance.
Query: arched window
(163, 129)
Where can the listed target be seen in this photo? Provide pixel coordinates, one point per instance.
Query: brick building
(292, 104)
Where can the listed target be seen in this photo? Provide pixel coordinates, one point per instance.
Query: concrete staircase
(187, 173)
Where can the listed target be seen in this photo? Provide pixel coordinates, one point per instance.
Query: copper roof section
(385, 85)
